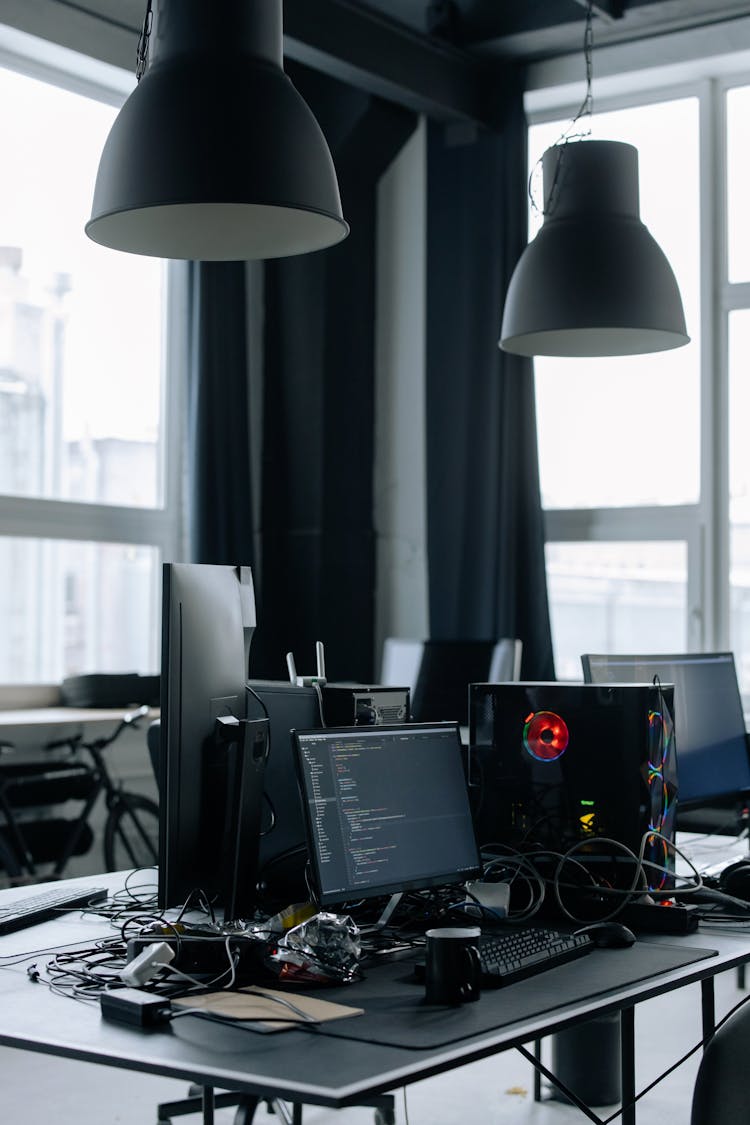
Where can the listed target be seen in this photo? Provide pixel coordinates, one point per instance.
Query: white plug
(147, 964)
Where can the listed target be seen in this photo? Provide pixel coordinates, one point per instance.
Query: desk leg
(708, 1009)
(208, 1105)
(627, 1064)
(537, 1071)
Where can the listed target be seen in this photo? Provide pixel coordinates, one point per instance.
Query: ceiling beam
(385, 58)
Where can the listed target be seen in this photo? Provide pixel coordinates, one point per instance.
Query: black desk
(309, 1067)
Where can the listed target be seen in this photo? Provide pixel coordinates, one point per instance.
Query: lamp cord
(586, 109)
(143, 38)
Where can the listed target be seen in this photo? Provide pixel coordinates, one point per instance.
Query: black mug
(452, 968)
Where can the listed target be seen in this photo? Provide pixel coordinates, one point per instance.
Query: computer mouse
(609, 935)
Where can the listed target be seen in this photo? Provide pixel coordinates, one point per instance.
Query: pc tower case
(554, 765)
(282, 847)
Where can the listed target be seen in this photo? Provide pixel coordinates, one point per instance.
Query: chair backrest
(506, 661)
(720, 1094)
(439, 672)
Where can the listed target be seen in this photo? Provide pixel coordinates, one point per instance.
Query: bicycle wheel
(131, 834)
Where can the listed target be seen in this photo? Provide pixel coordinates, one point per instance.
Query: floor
(37, 1088)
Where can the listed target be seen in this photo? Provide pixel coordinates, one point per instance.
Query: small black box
(110, 689)
(346, 705)
(134, 1006)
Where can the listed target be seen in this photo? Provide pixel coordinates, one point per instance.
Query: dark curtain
(485, 533)
(316, 545)
(218, 459)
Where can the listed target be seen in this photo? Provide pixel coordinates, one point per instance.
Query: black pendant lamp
(215, 156)
(593, 282)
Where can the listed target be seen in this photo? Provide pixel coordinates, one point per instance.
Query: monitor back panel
(555, 765)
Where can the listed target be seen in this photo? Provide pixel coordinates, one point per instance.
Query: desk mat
(395, 1014)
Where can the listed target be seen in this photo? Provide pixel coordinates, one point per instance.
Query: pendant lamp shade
(593, 282)
(215, 156)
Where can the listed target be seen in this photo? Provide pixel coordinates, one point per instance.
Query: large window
(604, 424)
(644, 461)
(84, 503)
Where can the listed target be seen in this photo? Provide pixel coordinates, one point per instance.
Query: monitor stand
(385, 917)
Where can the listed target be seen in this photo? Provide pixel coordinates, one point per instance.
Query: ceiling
(449, 57)
(530, 30)
(446, 57)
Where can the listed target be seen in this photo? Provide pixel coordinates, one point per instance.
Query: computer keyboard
(511, 956)
(45, 905)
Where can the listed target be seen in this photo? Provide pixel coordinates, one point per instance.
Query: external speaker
(553, 766)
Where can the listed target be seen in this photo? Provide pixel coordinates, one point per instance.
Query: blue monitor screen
(712, 755)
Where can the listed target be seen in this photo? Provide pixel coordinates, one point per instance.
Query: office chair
(720, 1092)
(439, 672)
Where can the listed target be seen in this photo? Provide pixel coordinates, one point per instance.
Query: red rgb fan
(545, 736)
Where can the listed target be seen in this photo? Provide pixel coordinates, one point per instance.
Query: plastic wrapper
(326, 948)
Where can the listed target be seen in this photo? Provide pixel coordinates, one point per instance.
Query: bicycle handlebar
(130, 718)
(134, 716)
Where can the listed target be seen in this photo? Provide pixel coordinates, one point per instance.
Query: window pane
(739, 496)
(80, 325)
(60, 616)
(615, 597)
(604, 423)
(738, 217)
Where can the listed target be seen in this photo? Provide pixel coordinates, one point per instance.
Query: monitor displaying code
(386, 808)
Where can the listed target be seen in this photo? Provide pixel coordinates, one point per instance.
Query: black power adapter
(202, 955)
(135, 1007)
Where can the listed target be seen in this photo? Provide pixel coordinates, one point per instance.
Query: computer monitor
(386, 809)
(211, 759)
(710, 738)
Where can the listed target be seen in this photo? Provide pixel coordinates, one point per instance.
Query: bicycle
(131, 829)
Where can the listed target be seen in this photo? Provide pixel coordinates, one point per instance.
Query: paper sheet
(268, 1009)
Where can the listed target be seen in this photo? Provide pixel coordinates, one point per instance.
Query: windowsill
(18, 697)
